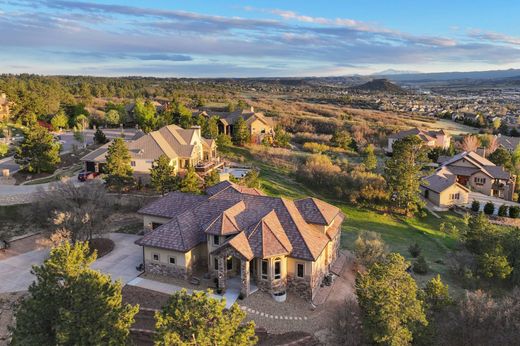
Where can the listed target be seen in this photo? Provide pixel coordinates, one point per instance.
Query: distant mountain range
(445, 76)
(379, 85)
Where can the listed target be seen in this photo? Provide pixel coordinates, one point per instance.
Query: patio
(231, 294)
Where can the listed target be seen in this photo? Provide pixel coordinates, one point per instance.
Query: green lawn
(397, 232)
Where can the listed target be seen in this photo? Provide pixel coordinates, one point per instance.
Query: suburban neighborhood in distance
(259, 173)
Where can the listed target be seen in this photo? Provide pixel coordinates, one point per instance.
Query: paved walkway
(231, 294)
(15, 272)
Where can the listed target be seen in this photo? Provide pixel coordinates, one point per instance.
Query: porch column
(221, 273)
(244, 273)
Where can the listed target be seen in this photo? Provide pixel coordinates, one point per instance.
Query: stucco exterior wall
(485, 188)
(445, 196)
(181, 269)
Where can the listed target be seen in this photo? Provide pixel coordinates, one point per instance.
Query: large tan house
(432, 139)
(236, 232)
(465, 172)
(259, 126)
(184, 147)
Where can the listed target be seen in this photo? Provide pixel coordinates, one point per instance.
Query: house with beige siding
(231, 231)
(430, 138)
(259, 125)
(451, 183)
(184, 147)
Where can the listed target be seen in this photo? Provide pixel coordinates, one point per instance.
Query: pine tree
(162, 175)
(210, 128)
(241, 133)
(370, 160)
(38, 152)
(118, 169)
(212, 178)
(436, 294)
(198, 319)
(403, 173)
(99, 137)
(71, 304)
(387, 296)
(190, 182)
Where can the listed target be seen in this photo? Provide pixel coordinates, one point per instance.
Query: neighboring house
(184, 147)
(432, 139)
(508, 143)
(259, 126)
(4, 107)
(465, 172)
(237, 232)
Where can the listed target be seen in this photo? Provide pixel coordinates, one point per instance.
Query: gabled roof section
(268, 237)
(226, 223)
(314, 240)
(316, 211)
(241, 245)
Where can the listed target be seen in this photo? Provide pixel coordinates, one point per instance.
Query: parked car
(85, 175)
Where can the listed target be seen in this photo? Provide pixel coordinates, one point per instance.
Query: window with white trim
(480, 180)
(172, 260)
(264, 269)
(277, 269)
(156, 257)
(216, 240)
(132, 163)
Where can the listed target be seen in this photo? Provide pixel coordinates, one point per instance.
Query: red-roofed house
(232, 231)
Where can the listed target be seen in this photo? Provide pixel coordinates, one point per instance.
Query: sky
(193, 38)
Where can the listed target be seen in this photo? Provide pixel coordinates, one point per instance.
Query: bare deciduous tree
(79, 209)
(470, 143)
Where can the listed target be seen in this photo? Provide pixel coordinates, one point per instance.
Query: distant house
(432, 139)
(465, 172)
(4, 107)
(238, 235)
(184, 147)
(259, 126)
(508, 143)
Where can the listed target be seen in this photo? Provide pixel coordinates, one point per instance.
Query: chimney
(252, 109)
(197, 129)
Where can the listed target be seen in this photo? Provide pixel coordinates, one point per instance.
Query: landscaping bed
(103, 246)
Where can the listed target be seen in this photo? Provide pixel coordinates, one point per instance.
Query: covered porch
(240, 278)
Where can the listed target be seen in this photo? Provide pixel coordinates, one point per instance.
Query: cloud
(128, 39)
(495, 37)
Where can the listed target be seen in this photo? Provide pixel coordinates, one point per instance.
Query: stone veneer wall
(165, 270)
(300, 286)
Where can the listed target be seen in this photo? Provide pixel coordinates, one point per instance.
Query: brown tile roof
(241, 244)
(273, 226)
(224, 185)
(173, 204)
(316, 211)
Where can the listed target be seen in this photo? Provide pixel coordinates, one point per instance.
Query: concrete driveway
(15, 272)
(483, 199)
